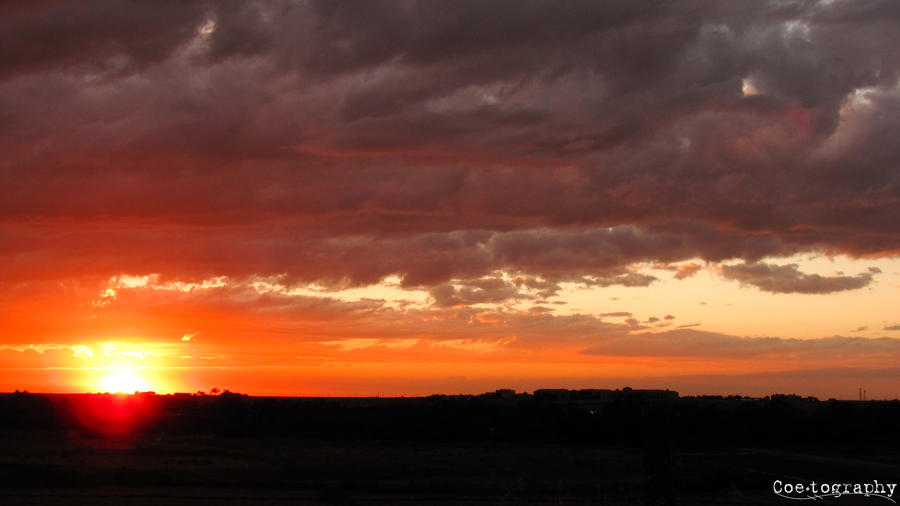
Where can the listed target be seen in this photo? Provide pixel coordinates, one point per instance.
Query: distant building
(651, 394)
(554, 394)
(603, 395)
(593, 394)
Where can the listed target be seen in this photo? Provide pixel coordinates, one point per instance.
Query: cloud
(789, 279)
(390, 120)
(113, 38)
(478, 291)
(627, 279)
(891, 327)
(685, 342)
(361, 343)
(616, 314)
(687, 270)
(473, 345)
(307, 253)
(545, 288)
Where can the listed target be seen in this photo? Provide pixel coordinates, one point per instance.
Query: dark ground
(622, 449)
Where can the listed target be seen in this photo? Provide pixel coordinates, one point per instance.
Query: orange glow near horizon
(259, 337)
(701, 199)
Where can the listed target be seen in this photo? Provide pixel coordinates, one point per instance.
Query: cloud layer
(288, 129)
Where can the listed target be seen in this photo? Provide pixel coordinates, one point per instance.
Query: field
(378, 452)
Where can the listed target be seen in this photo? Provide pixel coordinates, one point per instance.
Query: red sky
(322, 198)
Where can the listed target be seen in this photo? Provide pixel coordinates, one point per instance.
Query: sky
(406, 198)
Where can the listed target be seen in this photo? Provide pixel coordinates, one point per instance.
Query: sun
(124, 381)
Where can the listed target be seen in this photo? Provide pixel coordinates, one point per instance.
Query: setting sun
(124, 381)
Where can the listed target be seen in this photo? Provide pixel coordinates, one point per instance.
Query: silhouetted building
(505, 393)
(554, 394)
(597, 394)
(651, 394)
(593, 394)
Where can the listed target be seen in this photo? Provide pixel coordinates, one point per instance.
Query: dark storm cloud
(344, 142)
(789, 279)
(93, 36)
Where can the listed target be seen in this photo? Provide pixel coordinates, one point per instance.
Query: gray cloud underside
(595, 257)
(789, 279)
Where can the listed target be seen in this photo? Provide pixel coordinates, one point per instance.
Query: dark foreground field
(621, 449)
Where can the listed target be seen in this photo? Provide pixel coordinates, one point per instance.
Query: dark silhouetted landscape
(549, 447)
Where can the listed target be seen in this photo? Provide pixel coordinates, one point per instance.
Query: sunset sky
(406, 198)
